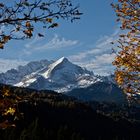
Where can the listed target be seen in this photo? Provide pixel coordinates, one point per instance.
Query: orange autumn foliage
(127, 61)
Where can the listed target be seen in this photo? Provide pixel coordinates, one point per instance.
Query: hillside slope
(48, 115)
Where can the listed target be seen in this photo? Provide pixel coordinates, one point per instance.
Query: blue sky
(85, 42)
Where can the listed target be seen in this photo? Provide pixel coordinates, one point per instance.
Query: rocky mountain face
(60, 76)
(14, 76)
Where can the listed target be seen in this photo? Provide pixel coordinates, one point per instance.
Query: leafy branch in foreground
(18, 18)
(8, 108)
(127, 61)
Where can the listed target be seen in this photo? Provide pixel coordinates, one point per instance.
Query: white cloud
(37, 44)
(7, 64)
(102, 64)
(58, 42)
(105, 59)
(100, 57)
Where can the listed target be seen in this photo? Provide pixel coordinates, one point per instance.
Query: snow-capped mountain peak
(14, 76)
(61, 76)
(54, 66)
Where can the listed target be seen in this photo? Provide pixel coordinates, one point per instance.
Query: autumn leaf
(127, 61)
(28, 24)
(1, 46)
(28, 33)
(6, 38)
(49, 20)
(10, 111)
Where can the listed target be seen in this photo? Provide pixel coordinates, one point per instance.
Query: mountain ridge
(64, 77)
(13, 76)
(61, 76)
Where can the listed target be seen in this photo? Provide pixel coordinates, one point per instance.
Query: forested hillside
(48, 115)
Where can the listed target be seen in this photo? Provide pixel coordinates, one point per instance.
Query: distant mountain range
(64, 77)
(100, 91)
(14, 76)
